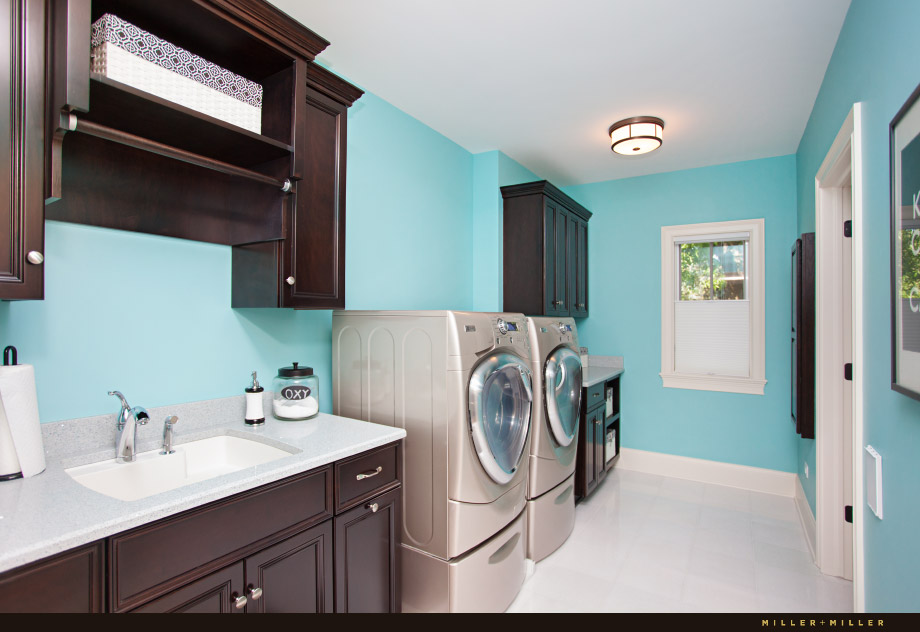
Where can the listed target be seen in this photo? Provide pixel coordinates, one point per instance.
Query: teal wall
(409, 227)
(491, 170)
(875, 62)
(151, 316)
(624, 276)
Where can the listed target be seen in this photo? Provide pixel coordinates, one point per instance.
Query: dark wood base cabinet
(305, 544)
(598, 435)
(70, 582)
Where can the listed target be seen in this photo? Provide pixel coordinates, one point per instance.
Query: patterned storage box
(126, 53)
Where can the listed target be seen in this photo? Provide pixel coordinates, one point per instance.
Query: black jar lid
(295, 371)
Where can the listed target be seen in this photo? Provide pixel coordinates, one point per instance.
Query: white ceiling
(542, 80)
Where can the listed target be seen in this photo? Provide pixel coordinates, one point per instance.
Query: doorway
(838, 343)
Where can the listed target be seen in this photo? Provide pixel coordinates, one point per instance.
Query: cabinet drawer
(150, 560)
(595, 396)
(366, 475)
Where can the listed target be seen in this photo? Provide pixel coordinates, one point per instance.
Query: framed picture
(904, 138)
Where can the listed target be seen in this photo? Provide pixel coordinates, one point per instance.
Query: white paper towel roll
(19, 412)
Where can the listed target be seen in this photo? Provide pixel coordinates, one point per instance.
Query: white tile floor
(646, 543)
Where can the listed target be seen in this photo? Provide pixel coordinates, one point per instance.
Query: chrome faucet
(168, 435)
(128, 421)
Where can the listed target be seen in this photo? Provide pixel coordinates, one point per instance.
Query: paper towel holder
(10, 358)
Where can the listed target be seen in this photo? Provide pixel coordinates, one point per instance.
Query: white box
(131, 55)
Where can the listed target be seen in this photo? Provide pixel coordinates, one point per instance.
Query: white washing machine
(550, 492)
(460, 384)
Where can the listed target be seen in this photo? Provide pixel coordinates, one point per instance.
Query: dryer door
(500, 405)
(562, 379)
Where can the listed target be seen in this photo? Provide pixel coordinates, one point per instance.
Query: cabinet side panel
(523, 267)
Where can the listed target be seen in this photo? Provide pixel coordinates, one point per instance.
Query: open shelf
(128, 109)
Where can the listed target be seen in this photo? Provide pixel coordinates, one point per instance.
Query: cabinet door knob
(254, 593)
(364, 475)
(239, 601)
(373, 507)
(557, 302)
(35, 257)
(290, 280)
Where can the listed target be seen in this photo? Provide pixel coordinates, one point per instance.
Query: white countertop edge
(597, 374)
(180, 499)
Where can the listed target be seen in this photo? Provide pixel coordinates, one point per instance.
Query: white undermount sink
(152, 473)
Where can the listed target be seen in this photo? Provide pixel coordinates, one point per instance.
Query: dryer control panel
(509, 331)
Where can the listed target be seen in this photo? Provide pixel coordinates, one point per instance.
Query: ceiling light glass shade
(636, 135)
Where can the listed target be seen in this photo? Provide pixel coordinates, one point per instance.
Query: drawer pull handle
(597, 395)
(254, 593)
(373, 507)
(239, 601)
(364, 475)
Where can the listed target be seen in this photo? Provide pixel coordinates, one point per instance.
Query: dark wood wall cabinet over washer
(598, 435)
(545, 238)
(108, 154)
(314, 542)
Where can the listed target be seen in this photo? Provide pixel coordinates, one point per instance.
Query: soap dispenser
(254, 414)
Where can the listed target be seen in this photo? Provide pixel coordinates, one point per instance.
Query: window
(712, 306)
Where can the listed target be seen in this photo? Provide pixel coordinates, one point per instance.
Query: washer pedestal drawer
(487, 579)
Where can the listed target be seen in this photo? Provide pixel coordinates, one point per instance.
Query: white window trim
(670, 378)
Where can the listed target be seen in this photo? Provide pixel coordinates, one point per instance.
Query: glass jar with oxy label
(296, 393)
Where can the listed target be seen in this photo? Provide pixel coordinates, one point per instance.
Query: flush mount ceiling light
(636, 135)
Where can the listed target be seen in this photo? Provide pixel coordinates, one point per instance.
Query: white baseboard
(805, 516)
(756, 479)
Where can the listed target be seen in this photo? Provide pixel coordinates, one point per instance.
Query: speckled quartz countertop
(600, 369)
(50, 512)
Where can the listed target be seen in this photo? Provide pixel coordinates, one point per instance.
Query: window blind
(712, 337)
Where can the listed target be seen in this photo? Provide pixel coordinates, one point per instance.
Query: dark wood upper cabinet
(545, 237)
(22, 229)
(803, 335)
(307, 268)
(118, 157)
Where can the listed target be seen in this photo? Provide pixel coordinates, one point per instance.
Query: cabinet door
(217, 593)
(69, 582)
(367, 556)
(571, 263)
(600, 441)
(22, 221)
(580, 263)
(313, 271)
(294, 575)
(555, 240)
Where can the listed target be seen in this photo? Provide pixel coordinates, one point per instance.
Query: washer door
(500, 405)
(562, 381)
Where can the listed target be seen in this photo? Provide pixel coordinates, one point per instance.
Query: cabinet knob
(35, 257)
(254, 593)
(373, 507)
(557, 302)
(290, 280)
(239, 601)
